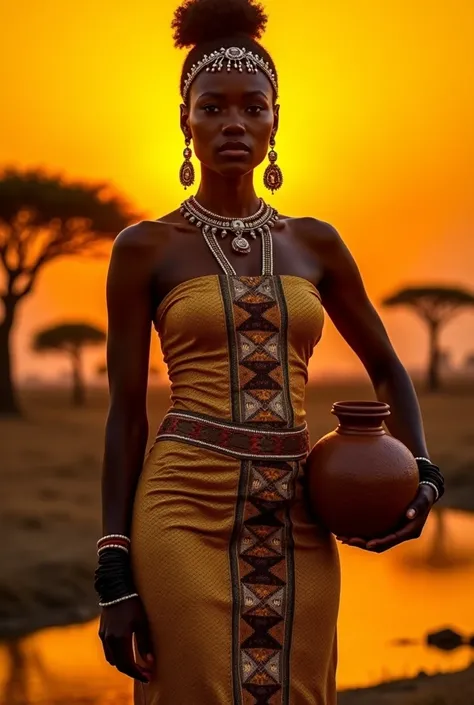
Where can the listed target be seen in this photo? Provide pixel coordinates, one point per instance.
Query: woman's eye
(210, 108)
(255, 109)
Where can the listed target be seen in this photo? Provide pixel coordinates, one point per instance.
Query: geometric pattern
(257, 340)
(236, 440)
(262, 558)
(261, 547)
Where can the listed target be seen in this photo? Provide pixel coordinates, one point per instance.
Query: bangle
(430, 475)
(431, 484)
(111, 545)
(120, 599)
(113, 541)
(113, 577)
(113, 536)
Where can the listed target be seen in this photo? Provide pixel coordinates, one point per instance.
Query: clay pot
(360, 480)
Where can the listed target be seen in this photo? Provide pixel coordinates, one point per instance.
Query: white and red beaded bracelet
(113, 541)
(108, 537)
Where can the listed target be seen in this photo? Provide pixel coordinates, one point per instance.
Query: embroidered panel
(263, 583)
(257, 330)
(261, 548)
(236, 440)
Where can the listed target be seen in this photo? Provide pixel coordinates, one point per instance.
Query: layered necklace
(212, 224)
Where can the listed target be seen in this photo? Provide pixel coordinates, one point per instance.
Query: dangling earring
(273, 177)
(186, 173)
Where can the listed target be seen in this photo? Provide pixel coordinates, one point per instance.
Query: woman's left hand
(411, 528)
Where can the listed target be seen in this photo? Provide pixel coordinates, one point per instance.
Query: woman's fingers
(380, 545)
(411, 527)
(357, 543)
(411, 530)
(108, 654)
(121, 648)
(103, 637)
(421, 505)
(144, 643)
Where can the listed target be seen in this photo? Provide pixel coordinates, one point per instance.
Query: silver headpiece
(231, 58)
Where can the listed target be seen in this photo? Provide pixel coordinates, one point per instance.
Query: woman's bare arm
(128, 349)
(346, 301)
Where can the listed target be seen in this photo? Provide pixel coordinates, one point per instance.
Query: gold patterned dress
(240, 587)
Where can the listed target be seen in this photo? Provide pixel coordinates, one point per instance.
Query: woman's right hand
(118, 624)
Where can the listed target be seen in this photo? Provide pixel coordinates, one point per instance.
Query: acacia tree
(43, 218)
(70, 338)
(436, 306)
(469, 362)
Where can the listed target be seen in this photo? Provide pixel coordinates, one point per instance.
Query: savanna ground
(50, 510)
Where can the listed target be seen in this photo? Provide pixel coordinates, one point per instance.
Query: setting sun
(376, 137)
(251, 521)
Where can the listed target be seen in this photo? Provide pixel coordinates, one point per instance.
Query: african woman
(216, 585)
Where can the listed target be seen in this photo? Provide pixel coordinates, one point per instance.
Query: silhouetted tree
(43, 218)
(469, 363)
(436, 306)
(70, 338)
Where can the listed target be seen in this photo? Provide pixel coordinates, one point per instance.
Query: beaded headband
(236, 57)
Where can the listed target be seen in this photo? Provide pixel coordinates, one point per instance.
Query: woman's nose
(233, 126)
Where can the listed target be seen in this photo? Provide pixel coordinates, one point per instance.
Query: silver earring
(186, 173)
(273, 176)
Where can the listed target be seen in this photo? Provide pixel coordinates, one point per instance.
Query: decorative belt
(237, 440)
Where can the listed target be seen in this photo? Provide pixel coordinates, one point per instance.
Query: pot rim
(363, 407)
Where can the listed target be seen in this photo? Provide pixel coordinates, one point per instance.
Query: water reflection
(389, 604)
(16, 684)
(447, 547)
(58, 666)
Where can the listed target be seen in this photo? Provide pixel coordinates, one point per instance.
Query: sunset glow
(376, 137)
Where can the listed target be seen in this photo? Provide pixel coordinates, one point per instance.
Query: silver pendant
(240, 244)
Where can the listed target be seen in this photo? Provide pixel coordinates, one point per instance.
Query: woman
(233, 591)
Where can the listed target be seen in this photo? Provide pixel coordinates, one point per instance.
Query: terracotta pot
(360, 480)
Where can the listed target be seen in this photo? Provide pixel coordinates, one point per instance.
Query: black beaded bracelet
(430, 474)
(113, 577)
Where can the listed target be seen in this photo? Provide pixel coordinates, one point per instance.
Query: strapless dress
(240, 585)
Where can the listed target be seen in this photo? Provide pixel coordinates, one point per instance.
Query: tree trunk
(9, 405)
(433, 381)
(439, 554)
(78, 386)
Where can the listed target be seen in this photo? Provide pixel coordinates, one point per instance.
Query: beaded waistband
(238, 440)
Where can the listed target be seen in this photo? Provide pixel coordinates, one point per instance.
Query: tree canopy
(67, 336)
(432, 303)
(70, 338)
(43, 217)
(435, 305)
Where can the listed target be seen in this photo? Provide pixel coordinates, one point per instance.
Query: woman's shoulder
(147, 233)
(312, 231)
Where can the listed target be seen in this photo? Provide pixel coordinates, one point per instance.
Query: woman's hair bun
(200, 21)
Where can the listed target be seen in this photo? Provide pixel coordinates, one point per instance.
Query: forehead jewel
(237, 58)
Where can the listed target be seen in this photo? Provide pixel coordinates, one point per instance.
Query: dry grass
(50, 501)
(50, 491)
(448, 689)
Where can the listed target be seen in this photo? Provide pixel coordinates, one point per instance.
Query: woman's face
(231, 117)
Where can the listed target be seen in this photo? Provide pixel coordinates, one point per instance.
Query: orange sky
(376, 137)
